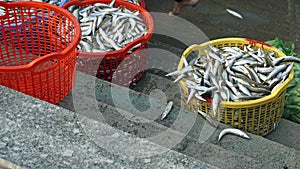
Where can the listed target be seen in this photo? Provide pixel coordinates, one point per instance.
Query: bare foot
(189, 2)
(178, 5)
(176, 9)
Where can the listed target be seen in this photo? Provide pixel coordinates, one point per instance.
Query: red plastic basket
(38, 49)
(121, 66)
(143, 3)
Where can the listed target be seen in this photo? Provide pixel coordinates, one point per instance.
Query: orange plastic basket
(120, 66)
(38, 49)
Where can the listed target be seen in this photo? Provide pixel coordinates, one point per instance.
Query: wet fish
(167, 110)
(208, 118)
(137, 2)
(182, 71)
(233, 74)
(232, 131)
(234, 13)
(286, 59)
(216, 103)
(110, 28)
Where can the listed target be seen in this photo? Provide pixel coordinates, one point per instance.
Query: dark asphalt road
(263, 19)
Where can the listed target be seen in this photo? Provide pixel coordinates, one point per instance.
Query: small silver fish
(167, 110)
(208, 118)
(216, 103)
(181, 71)
(232, 131)
(191, 95)
(277, 69)
(285, 59)
(234, 13)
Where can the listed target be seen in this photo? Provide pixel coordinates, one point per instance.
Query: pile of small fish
(55, 2)
(106, 28)
(137, 2)
(233, 74)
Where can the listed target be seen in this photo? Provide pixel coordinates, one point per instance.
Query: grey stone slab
(287, 133)
(4, 164)
(41, 135)
(167, 137)
(257, 151)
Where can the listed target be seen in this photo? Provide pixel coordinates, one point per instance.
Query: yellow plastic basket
(260, 116)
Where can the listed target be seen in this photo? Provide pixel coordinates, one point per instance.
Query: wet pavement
(262, 20)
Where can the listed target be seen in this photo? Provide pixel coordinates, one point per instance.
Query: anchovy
(191, 95)
(277, 85)
(232, 131)
(288, 70)
(198, 96)
(180, 77)
(234, 13)
(208, 118)
(286, 59)
(167, 110)
(214, 49)
(276, 70)
(244, 89)
(181, 71)
(216, 103)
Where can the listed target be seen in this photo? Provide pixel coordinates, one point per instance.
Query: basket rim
(142, 10)
(54, 55)
(249, 103)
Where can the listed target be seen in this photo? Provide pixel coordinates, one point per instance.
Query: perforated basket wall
(260, 116)
(124, 66)
(38, 49)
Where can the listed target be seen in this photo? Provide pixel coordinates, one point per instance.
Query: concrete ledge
(8, 165)
(287, 133)
(36, 134)
(258, 151)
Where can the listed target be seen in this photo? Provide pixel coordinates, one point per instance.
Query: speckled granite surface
(35, 134)
(234, 152)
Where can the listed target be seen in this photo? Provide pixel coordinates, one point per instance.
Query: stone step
(171, 135)
(286, 133)
(4, 164)
(39, 135)
(262, 151)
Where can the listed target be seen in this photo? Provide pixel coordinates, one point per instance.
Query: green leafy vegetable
(292, 100)
(286, 47)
